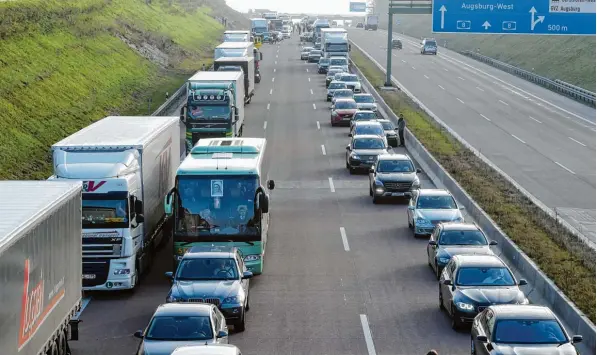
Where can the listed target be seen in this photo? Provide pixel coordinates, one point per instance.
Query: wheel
(456, 324)
(240, 326)
(375, 200)
(62, 345)
(438, 274)
(347, 165)
(410, 225)
(441, 301)
(472, 346)
(248, 306)
(370, 191)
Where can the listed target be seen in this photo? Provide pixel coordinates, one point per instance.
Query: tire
(437, 273)
(240, 326)
(410, 225)
(370, 191)
(351, 170)
(456, 324)
(375, 200)
(441, 301)
(248, 305)
(473, 352)
(62, 344)
(347, 165)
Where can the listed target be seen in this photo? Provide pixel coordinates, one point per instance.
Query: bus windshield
(217, 206)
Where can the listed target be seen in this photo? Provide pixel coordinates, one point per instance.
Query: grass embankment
(67, 63)
(572, 269)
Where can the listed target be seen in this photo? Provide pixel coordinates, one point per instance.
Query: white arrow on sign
(486, 25)
(534, 22)
(443, 11)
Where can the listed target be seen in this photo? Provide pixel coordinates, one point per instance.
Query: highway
(544, 141)
(342, 276)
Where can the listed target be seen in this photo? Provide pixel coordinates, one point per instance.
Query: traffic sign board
(540, 17)
(358, 7)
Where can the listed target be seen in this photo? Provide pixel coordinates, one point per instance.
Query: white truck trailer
(40, 266)
(127, 165)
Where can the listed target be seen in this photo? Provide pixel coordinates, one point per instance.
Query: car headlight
(443, 260)
(524, 301)
(416, 184)
(465, 306)
(230, 300)
(122, 271)
(355, 157)
(254, 257)
(423, 221)
(171, 299)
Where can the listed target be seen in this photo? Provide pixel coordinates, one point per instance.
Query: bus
(219, 198)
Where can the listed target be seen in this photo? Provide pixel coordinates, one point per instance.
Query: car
(367, 127)
(343, 94)
(429, 45)
(470, 283)
(352, 81)
(215, 275)
(396, 44)
(360, 25)
(208, 349)
(428, 207)
(342, 110)
(362, 152)
(317, 45)
(339, 75)
(329, 77)
(323, 65)
(449, 239)
(391, 131)
(520, 329)
(178, 324)
(365, 102)
(314, 56)
(334, 85)
(363, 115)
(341, 62)
(393, 175)
(305, 52)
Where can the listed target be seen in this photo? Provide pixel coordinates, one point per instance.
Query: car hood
(160, 347)
(534, 349)
(352, 83)
(345, 111)
(491, 295)
(369, 151)
(205, 289)
(366, 105)
(396, 177)
(439, 214)
(390, 132)
(451, 250)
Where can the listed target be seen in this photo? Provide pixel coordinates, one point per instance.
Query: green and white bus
(219, 199)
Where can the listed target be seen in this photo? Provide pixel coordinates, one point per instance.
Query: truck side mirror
(183, 114)
(138, 207)
(271, 184)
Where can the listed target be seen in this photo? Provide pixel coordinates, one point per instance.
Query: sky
(339, 7)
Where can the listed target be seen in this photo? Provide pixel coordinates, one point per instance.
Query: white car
(352, 82)
(365, 102)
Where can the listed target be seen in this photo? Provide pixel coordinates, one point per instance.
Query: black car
(516, 329)
(455, 238)
(391, 131)
(394, 175)
(471, 283)
(323, 65)
(396, 44)
(360, 25)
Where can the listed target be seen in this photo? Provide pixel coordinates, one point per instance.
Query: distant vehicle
(396, 44)
(449, 239)
(394, 175)
(305, 52)
(429, 45)
(371, 22)
(329, 77)
(314, 56)
(371, 128)
(518, 328)
(323, 65)
(391, 131)
(360, 25)
(258, 26)
(177, 324)
(428, 207)
(352, 82)
(362, 152)
(363, 115)
(334, 85)
(342, 111)
(340, 62)
(471, 283)
(208, 349)
(365, 102)
(343, 94)
(317, 45)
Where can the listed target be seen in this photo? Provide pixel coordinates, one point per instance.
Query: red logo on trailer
(91, 186)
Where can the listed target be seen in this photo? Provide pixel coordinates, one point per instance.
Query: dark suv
(393, 175)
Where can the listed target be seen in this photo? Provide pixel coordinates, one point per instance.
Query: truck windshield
(230, 52)
(217, 206)
(235, 37)
(209, 112)
(339, 61)
(104, 212)
(337, 47)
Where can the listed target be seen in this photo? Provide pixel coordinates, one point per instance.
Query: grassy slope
(62, 66)
(573, 270)
(568, 58)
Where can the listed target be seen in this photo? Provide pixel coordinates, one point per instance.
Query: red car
(342, 112)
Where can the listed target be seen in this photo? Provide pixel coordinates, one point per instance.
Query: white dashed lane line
(331, 181)
(534, 119)
(264, 125)
(505, 103)
(460, 100)
(318, 125)
(518, 139)
(268, 106)
(441, 87)
(344, 239)
(565, 168)
(314, 107)
(574, 140)
(478, 88)
(323, 149)
(485, 117)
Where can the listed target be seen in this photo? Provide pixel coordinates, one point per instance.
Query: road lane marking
(273, 79)
(318, 125)
(403, 61)
(276, 56)
(276, 62)
(521, 141)
(485, 117)
(314, 107)
(478, 88)
(446, 69)
(565, 168)
(534, 119)
(311, 91)
(441, 87)
(274, 70)
(271, 91)
(264, 125)
(309, 79)
(503, 102)
(323, 149)
(395, 55)
(307, 70)
(332, 188)
(268, 106)
(413, 68)
(461, 78)
(460, 100)
(574, 140)
(344, 240)
(368, 337)
(426, 77)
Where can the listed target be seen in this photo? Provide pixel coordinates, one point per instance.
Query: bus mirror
(138, 207)
(168, 204)
(271, 184)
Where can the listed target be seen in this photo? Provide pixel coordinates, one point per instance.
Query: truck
(317, 26)
(371, 22)
(234, 49)
(276, 25)
(237, 36)
(220, 199)
(127, 166)
(214, 107)
(258, 26)
(40, 266)
(334, 42)
(248, 69)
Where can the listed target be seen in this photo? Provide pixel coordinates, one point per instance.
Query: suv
(429, 207)
(396, 44)
(216, 275)
(394, 175)
(367, 128)
(363, 151)
(360, 25)
(429, 45)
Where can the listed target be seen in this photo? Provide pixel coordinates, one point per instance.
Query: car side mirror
(482, 338)
(350, 134)
(432, 242)
(247, 275)
(412, 208)
(576, 339)
(522, 282)
(169, 275)
(372, 171)
(419, 171)
(348, 147)
(222, 334)
(271, 184)
(447, 282)
(493, 242)
(138, 334)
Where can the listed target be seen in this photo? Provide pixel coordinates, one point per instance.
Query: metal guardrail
(174, 100)
(559, 86)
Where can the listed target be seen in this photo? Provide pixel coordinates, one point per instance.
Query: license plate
(88, 276)
(396, 194)
(347, 118)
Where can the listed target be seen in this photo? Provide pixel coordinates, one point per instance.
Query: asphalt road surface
(342, 276)
(544, 141)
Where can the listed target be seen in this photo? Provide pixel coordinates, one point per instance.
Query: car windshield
(368, 143)
(337, 86)
(345, 105)
(363, 116)
(463, 237)
(387, 125)
(529, 331)
(324, 61)
(339, 61)
(376, 130)
(206, 269)
(349, 78)
(364, 99)
(307, 49)
(430, 44)
(483, 276)
(436, 203)
(315, 52)
(344, 93)
(182, 328)
(395, 166)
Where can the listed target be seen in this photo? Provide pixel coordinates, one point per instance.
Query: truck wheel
(62, 344)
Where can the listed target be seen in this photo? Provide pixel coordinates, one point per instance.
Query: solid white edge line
(485, 117)
(426, 77)
(318, 125)
(534, 119)
(314, 107)
(521, 141)
(264, 125)
(323, 149)
(344, 239)
(332, 188)
(574, 140)
(368, 336)
(565, 168)
(505, 103)
(460, 100)
(478, 88)
(268, 106)
(441, 87)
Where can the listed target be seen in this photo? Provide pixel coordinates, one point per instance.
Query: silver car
(341, 62)
(342, 94)
(182, 324)
(365, 102)
(305, 52)
(428, 207)
(352, 81)
(362, 152)
(334, 85)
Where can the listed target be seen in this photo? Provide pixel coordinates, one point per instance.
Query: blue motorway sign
(358, 7)
(539, 17)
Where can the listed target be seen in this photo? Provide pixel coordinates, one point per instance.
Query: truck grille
(397, 186)
(101, 248)
(215, 301)
(99, 268)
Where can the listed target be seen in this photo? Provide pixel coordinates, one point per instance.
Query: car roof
(215, 252)
(511, 311)
(459, 226)
(367, 136)
(478, 260)
(341, 90)
(434, 192)
(383, 120)
(337, 82)
(183, 309)
(364, 111)
(361, 94)
(395, 156)
(367, 123)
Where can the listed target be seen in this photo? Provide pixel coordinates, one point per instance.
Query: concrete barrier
(542, 290)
